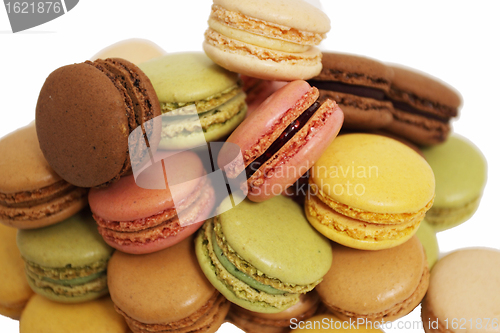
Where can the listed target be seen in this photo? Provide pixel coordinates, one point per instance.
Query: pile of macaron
(263, 183)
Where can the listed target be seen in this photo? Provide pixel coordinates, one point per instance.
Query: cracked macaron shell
(162, 287)
(275, 238)
(73, 243)
(394, 179)
(387, 277)
(187, 77)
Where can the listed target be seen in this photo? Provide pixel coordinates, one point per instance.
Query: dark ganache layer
(345, 88)
(287, 134)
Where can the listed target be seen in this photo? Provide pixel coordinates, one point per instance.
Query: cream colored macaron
(135, 50)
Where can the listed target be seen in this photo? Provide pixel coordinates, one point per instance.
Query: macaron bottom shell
(441, 219)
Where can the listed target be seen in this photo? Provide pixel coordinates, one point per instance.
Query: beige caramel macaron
(256, 322)
(165, 291)
(14, 289)
(375, 285)
(464, 293)
(44, 316)
(135, 50)
(32, 195)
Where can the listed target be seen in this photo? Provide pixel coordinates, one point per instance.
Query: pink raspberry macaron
(281, 140)
(145, 213)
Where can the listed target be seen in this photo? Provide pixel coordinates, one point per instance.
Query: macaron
(369, 192)
(358, 85)
(281, 140)
(32, 195)
(135, 219)
(135, 50)
(460, 170)
(258, 91)
(45, 316)
(262, 256)
(375, 285)
(165, 291)
(270, 40)
(14, 289)
(427, 237)
(66, 262)
(200, 101)
(85, 114)
(464, 293)
(328, 322)
(255, 322)
(422, 106)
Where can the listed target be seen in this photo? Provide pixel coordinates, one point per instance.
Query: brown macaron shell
(433, 105)
(32, 195)
(255, 322)
(375, 285)
(165, 290)
(360, 73)
(84, 115)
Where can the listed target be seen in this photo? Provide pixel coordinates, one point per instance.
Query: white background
(456, 41)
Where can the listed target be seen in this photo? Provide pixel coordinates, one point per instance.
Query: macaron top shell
(75, 242)
(460, 171)
(466, 284)
(385, 277)
(424, 86)
(275, 238)
(98, 316)
(297, 14)
(125, 200)
(23, 166)
(103, 112)
(355, 70)
(187, 77)
(259, 130)
(375, 174)
(161, 287)
(135, 50)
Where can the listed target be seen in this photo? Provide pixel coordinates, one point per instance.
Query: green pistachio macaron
(262, 256)
(427, 237)
(199, 99)
(460, 171)
(66, 262)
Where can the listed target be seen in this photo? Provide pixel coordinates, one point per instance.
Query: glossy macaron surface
(375, 174)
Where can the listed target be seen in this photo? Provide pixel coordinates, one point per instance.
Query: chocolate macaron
(84, 115)
(32, 195)
(358, 85)
(422, 107)
(165, 291)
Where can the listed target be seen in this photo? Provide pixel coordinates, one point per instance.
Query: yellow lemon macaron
(369, 192)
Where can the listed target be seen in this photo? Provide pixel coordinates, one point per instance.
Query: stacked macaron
(137, 136)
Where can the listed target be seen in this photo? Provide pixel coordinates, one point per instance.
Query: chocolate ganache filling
(345, 88)
(287, 134)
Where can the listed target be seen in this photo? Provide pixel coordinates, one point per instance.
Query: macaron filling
(409, 102)
(357, 90)
(410, 109)
(240, 275)
(235, 20)
(294, 127)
